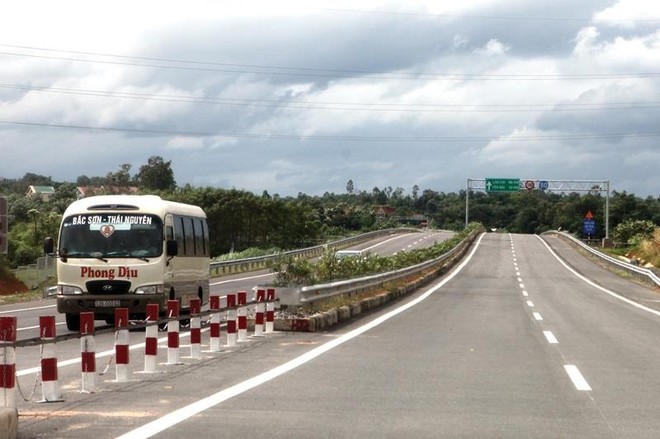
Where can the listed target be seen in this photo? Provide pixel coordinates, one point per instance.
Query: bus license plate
(107, 303)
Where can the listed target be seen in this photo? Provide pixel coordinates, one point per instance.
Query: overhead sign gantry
(519, 184)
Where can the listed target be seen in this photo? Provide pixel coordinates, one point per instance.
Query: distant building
(388, 212)
(43, 192)
(383, 212)
(88, 191)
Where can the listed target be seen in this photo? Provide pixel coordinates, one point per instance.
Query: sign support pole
(467, 203)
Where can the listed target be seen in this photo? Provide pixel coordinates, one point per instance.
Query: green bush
(633, 232)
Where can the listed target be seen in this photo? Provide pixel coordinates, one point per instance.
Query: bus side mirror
(172, 248)
(49, 246)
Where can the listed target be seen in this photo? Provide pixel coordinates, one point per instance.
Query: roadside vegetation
(639, 241)
(292, 271)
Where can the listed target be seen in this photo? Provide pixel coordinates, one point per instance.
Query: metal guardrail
(640, 273)
(257, 263)
(297, 296)
(36, 274)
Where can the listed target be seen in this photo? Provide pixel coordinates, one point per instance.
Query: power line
(271, 136)
(348, 106)
(266, 70)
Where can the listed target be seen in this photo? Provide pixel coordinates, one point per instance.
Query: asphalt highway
(526, 338)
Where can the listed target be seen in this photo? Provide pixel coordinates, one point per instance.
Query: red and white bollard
(231, 319)
(259, 314)
(8, 366)
(270, 310)
(195, 328)
(49, 385)
(214, 327)
(242, 316)
(122, 342)
(88, 352)
(173, 332)
(151, 338)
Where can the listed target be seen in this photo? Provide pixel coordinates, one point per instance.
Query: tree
(121, 178)
(157, 174)
(350, 188)
(83, 180)
(64, 195)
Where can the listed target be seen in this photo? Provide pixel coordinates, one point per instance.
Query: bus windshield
(111, 235)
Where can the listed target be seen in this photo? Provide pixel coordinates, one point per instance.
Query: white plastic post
(8, 366)
(214, 327)
(173, 333)
(49, 384)
(270, 311)
(242, 316)
(231, 319)
(195, 328)
(151, 338)
(259, 314)
(87, 352)
(122, 342)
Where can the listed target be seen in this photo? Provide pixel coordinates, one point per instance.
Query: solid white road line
(163, 423)
(34, 308)
(593, 284)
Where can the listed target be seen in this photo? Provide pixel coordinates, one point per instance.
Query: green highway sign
(502, 184)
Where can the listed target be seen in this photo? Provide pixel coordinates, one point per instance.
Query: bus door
(169, 267)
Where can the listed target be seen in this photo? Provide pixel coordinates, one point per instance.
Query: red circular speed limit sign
(529, 185)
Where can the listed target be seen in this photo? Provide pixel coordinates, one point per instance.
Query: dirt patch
(9, 285)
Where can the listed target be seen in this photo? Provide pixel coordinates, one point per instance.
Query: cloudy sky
(301, 96)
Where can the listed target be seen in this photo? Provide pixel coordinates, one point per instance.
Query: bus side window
(200, 247)
(190, 236)
(179, 235)
(207, 245)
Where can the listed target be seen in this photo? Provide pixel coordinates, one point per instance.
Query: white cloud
(492, 48)
(629, 13)
(525, 147)
(586, 42)
(185, 143)
(460, 42)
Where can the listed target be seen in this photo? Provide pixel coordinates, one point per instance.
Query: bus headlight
(149, 289)
(67, 290)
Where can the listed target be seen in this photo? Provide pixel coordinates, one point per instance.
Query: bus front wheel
(73, 322)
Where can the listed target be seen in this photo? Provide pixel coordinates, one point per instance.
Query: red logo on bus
(107, 230)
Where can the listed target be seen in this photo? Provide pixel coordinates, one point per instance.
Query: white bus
(127, 251)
